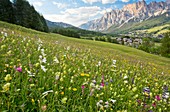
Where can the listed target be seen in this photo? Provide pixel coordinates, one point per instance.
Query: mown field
(54, 73)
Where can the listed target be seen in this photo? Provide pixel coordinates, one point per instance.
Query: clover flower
(19, 69)
(157, 97)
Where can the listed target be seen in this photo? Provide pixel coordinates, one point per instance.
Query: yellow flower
(32, 100)
(62, 93)
(8, 77)
(87, 75)
(64, 100)
(6, 87)
(74, 89)
(82, 74)
(56, 93)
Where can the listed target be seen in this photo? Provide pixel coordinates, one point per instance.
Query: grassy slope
(157, 21)
(98, 48)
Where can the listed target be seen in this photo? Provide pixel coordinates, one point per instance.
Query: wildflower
(19, 69)
(43, 68)
(6, 87)
(113, 101)
(102, 84)
(82, 74)
(125, 77)
(56, 93)
(32, 100)
(114, 62)
(74, 89)
(87, 75)
(44, 108)
(106, 106)
(107, 103)
(157, 97)
(99, 103)
(8, 77)
(92, 85)
(44, 60)
(83, 86)
(64, 100)
(165, 95)
(57, 77)
(62, 93)
(154, 104)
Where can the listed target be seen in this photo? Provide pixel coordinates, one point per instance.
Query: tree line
(20, 12)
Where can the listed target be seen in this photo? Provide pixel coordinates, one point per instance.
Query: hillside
(50, 72)
(144, 25)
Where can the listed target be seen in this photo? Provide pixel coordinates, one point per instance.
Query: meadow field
(49, 72)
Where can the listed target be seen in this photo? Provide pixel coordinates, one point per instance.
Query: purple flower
(19, 69)
(157, 97)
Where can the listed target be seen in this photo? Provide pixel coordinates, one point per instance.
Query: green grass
(50, 72)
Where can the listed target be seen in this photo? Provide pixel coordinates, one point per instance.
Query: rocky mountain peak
(136, 12)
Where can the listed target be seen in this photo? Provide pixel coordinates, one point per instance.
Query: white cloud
(91, 1)
(125, 0)
(60, 5)
(102, 1)
(108, 1)
(37, 4)
(76, 16)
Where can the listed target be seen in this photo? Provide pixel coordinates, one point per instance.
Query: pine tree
(6, 11)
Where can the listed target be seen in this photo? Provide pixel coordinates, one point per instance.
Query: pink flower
(19, 69)
(154, 104)
(83, 86)
(102, 84)
(157, 97)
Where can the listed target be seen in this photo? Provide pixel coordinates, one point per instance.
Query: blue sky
(77, 12)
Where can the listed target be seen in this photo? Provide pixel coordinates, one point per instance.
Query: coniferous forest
(20, 12)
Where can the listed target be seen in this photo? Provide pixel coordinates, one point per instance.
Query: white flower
(113, 101)
(92, 85)
(114, 62)
(57, 77)
(107, 103)
(99, 63)
(125, 77)
(98, 104)
(43, 68)
(44, 60)
(40, 57)
(101, 101)
(5, 34)
(106, 106)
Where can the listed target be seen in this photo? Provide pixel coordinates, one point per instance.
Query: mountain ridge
(136, 12)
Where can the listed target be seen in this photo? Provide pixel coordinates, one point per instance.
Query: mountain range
(132, 13)
(51, 24)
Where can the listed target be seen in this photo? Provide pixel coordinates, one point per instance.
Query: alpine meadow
(118, 66)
